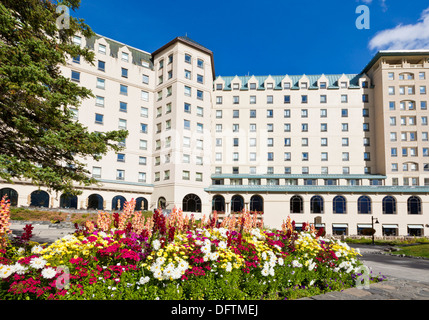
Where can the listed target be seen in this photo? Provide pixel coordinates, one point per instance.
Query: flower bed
(128, 256)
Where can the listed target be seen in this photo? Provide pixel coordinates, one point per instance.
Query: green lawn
(420, 250)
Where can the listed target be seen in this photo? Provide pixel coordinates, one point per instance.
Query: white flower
(37, 263)
(183, 265)
(19, 268)
(160, 260)
(280, 261)
(312, 282)
(198, 242)
(36, 249)
(296, 264)
(228, 267)
(214, 256)
(222, 245)
(311, 266)
(264, 255)
(265, 272)
(20, 251)
(102, 234)
(156, 244)
(271, 271)
(144, 280)
(49, 273)
(205, 249)
(5, 271)
(158, 274)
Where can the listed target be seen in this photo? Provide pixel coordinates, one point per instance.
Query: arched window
(389, 205)
(95, 202)
(296, 204)
(414, 205)
(218, 203)
(256, 203)
(339, 204)
(237, 203)
(39, 198)
(364, 204)
(11, 194)
(141, 204)
(68, 201)
(191, 203)
(316, 204)
(162, 203)
(118, 202)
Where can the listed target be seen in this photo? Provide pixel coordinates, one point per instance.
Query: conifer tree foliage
(39, 140)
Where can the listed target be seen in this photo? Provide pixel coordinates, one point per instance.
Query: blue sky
(267, 37)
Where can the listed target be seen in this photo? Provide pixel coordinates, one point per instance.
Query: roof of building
(332, 80)
(393, 53)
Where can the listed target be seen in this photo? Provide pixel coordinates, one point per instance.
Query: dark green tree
(39, 140)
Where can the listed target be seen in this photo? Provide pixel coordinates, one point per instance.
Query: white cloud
(404, 37)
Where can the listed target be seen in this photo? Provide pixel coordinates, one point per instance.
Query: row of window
(344, 113)
(295, 182)
(120, 175)
(287, 99)
(186, 175)
(287, 127)
(407, 105)
(288, 142)
(411, 90)
(287, 85)
(287, 170)
(409, 120)
(406, 76)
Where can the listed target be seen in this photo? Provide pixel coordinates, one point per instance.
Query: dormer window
(343, 84)
(303, 85)
(125, 56)
(286, 85)
(322, 85)
(269, 85)
(219, 86)
(253, 86)
(236, 86)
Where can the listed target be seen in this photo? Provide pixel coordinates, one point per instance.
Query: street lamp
(372, 223)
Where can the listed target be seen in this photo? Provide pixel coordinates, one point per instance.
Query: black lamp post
(372, 223)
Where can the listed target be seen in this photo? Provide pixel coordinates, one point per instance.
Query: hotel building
(337, 150)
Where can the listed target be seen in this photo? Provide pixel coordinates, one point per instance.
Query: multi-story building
(340, 151)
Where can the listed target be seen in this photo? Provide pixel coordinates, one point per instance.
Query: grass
(23, 214)
(420, 250)
(395, 242)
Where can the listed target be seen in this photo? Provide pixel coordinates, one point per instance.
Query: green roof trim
(316, 189)
(297, 176)
(278, 79)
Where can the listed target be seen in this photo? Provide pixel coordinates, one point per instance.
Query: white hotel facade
(337, 150)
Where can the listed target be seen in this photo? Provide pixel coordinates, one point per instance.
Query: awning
(390, 226)
(319, 225)
(299, 225)
(364, 226)
(339, 225)
(415, 226)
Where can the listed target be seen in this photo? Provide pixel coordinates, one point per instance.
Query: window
(391, 76)
(124, 72)
(304, 127)
(200, 63)
(120, 174)
(235, 127)
(219, 86)
(270, 142)
(200, 111)
(218, 114)
(305, 156)
(187, 107)
(323, 113)
(200, 95)
(324, 142)
(124, 56)
(120, 157)
(364, 205)
(200, 78)
(270, 127)
(144, 112)
(345, 156)
(366, 156)
(145, 95)
(235, 86)
(143, 127)
(143, 145)
(365, 98)
(345, 142)
(186, 158)
(366, 127)
(186, 141)
(142, 161)
(324, 156)
(339, 205)
(252, 127)
(252, 99)
(123, 90)
(122, 124)
(187, 91)
(286, 113)
(344, 113)
(323, 99)
(218, 100)
(76, 59)
(269, 99)
(188, 74)
(235, 113)
(96, 172)
(188, 58)
(422, 89)
(235, 142)
(286, 85)
(322, 85)
(287, 142)
(122, 106)
(389, 205)
(99, 101)
(101, 65)
(187, 124)
(287, 127)
(270, 113)
(102, 48)
(169, 74)
(75, 76)
(287, 156)
(391, 90)
(99, 118)
(253, 113)
(218, 128)
(365, 112)
(304, 99)
(200, 127)
(296, 204)
(323, 127)
(304, 113)
(286, 99)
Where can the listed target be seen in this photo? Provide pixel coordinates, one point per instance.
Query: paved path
(407, 278)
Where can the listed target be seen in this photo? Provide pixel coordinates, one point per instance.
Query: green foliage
(39, 140)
